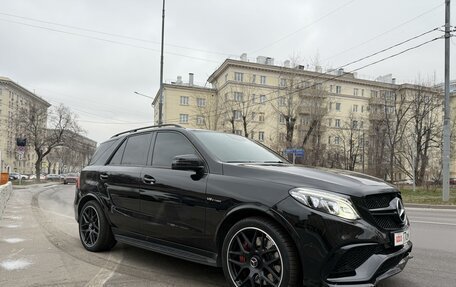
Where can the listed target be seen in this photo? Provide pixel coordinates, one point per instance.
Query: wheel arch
(86, 198)
(252, 210)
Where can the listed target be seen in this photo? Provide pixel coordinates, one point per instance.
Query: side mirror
(187, 162)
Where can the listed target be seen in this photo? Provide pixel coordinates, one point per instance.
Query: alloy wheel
(254, 259)
(90, 226)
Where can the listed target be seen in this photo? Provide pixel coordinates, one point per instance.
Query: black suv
(223, 200)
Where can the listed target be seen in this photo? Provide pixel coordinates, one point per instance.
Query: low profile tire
(94, 230)
(257, 252)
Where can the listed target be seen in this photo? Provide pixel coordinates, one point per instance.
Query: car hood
(339, 181)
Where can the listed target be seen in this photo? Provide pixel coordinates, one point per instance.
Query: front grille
(381, 213)
(379, 200)
(388, 221)
(352, 259)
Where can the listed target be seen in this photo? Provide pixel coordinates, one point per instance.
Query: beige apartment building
(333, 115)
(13, 98)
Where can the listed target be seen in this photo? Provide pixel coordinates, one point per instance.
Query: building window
(331, 88)
(282, 101)
(238, 97)
(355, 108)
(283, 82)
(329, 122)
(200, 120)
(282, 119)
(261, 136)
(338, 89)
(304, 119)
(329, 139)
(201, 102)
(238, 132)
(374, 94)
(355, 92)
(261, 117)
(337, 123)
(362, 109)
(263, 80)
(355, 124)
(239, 77)
(183, 118)
(361, 124)
(362, 92)
(184, 101)
(262, 99)
(253, 78)
(336, 140)
(253, 98)
(253, 116)
(338, 107)
(237, 115)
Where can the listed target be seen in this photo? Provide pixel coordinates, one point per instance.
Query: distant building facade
(336, 117)
(17, 156)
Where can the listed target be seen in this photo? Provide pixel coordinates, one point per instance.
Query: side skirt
(163, 248)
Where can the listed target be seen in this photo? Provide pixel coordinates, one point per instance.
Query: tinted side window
(117, 158)
(136, 150)
(103, 152)
(167, 146)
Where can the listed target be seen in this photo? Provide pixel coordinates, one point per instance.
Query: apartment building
(13, 98)
(333, 115)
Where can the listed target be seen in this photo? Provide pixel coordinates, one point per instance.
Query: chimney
(318, 69)
(286, 64)
(340, 72)
(190, 79)
(393, 81)
(244, 57)
(179, 80)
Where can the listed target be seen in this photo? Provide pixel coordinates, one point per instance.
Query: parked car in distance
(15, 176)
(223, 200)
(52, 176)
(404, 182)
(70, 178)
(453, 180)
(33, 176)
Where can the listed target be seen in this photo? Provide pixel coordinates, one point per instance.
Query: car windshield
(235, 149)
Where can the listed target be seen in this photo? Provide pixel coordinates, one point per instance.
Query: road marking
(431, 222)
(13, 217)
(13, 240)
(430, 209)
(105, 274)
(15, 264)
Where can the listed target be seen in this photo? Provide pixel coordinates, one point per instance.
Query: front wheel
(257, 252)
(94, 230)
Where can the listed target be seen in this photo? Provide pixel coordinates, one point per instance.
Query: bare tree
(207, 111)
(31, 123)
(423, 134)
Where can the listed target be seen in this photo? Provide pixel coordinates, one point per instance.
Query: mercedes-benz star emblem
(400, 209)
(254, 262)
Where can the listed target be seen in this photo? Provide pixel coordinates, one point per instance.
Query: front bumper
(338, 252)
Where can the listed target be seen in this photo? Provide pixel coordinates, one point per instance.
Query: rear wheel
(257, 252)
(94, 230)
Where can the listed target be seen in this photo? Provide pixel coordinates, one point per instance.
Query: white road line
(430, 222)
(430, 209)
(13, 240)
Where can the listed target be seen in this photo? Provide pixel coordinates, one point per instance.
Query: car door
(173, 201)
(122, 177)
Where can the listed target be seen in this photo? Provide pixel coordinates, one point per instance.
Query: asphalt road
(39, 246)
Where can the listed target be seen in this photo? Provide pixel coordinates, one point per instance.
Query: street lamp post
(160, 103)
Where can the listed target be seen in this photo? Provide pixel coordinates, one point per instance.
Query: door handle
(147, 179)
(103, 176)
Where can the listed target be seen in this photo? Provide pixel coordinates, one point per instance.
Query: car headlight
(325, 202)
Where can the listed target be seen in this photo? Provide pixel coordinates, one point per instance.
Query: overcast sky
(52, 47)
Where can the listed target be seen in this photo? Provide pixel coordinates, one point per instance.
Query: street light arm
(144, 95)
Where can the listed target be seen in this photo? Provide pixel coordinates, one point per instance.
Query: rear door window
(136, 150)
(104, 151)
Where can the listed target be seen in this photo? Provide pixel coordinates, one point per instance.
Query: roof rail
(148, 127)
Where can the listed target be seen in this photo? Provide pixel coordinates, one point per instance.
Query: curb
(428, 206)
(5, 193)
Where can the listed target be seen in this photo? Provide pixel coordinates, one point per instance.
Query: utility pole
(446, 120)
(160, 102)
